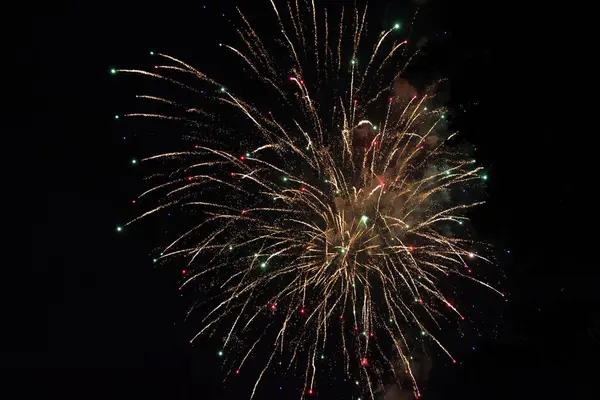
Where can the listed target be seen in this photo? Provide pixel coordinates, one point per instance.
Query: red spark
(420, 300)
(310, 391)
(302, 311)
(231, 173)
(189, 178)
(244, 212)
(184, 272)
(364, 362)
(237, 371)
(242, 158)
(133, 201)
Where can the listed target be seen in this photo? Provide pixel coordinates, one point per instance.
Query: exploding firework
(325, 222)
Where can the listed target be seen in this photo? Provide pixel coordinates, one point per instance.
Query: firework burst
(322, 223)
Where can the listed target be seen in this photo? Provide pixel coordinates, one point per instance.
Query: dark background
(86, 314)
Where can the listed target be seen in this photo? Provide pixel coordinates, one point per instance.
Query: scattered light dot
(310, 391)
(222, 89)
(220, 353)
(237, 371)
(356, 382)
(113, 71)
(364, 219)
(247, 154)
(117, 116)
(151, 53)
(460, 222)
(230, 247)
(263, 265)
(397, 26)
(119, 228)
(425, 108)
(471, 255)
(134, 161)
(342, 250)
(285, 178)
(353, 62)
(443, 116)
(154, 260)
(322, 357)
(302, 311)
(255, 254)
(422, 333)
(485, 177)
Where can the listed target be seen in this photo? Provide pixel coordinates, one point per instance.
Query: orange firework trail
(331, 230)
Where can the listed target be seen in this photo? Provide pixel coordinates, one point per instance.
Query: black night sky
(89, 317)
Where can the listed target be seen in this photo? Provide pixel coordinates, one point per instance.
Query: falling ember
(354, 198)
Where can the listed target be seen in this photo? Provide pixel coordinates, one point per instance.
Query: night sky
(89, 317)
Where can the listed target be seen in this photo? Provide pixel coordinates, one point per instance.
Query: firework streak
(330, 231)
